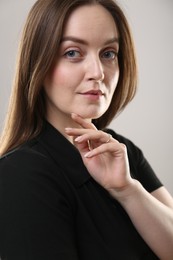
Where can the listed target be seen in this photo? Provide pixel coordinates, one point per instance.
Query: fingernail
(73, 114)
(78, 139)
(87, 155)
(68, 129)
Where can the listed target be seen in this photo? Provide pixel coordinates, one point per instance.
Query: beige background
(148, 120)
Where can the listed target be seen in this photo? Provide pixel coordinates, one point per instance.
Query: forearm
(107, 162)
(152, 219)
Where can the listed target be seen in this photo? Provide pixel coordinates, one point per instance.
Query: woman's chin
(90, 115)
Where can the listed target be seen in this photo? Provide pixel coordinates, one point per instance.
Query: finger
(92, 135)
(119, 150)
(82, 147)
(82, 122)
(76, 131)
(78, 138)
(95, 136)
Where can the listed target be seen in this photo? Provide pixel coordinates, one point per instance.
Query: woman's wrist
(126, 193)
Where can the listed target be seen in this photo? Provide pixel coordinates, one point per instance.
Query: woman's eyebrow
(113, 40)
(84, 42)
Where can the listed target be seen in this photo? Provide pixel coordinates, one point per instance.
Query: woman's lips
(93, 94)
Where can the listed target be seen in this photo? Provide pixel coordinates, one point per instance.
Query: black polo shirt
(51, 208)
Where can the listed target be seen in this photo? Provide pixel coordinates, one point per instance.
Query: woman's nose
(95, 70)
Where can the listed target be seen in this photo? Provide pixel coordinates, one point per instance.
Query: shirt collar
(65, 155)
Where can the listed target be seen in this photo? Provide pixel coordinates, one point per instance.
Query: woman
(70, 188)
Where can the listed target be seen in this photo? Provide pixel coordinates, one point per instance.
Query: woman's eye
(110, 55)
(73, 54)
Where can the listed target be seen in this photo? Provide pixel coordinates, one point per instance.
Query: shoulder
(29, 173)
(135, 154)
(133, 150)
(23, 158)
(30, 165)
(139, 166)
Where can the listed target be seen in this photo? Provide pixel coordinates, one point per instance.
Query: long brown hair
(38, 48)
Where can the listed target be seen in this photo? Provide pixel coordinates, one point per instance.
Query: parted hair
(38, 49)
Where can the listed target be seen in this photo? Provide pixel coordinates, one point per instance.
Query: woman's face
(86, 72)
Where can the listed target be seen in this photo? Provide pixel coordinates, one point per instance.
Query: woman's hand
(107, 162)
(104, 157)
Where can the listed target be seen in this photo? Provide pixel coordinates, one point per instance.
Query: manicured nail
(78, 139)
(73, 115)
(68, 129)
(88, 155)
